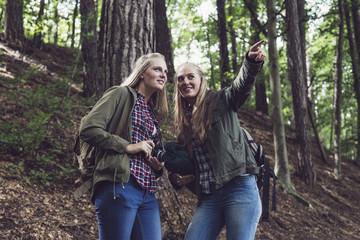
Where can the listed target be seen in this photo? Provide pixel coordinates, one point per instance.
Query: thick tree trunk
(14, 30)
(224, 53)
(89, 48)
(281, 160)
(75, 13)
(128, 34)
(39, 26)
(163, 38)
(305, 168)
(337, 93)
(356, 21)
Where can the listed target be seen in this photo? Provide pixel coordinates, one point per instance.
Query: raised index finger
(257, 45)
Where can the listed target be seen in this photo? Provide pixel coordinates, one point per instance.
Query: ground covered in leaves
(36, 190)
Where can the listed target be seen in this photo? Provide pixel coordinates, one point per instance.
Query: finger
(151, 143)
(257, 45)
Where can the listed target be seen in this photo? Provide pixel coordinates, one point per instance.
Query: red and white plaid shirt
(144, 127)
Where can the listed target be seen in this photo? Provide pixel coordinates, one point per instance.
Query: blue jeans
(237, 205)
(133, 214)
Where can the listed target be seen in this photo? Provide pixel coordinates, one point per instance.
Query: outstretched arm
(241, 88)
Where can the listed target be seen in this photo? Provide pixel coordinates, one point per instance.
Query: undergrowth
(33, 136)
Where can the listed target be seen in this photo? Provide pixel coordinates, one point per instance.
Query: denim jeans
(237, 205)
(133, 214)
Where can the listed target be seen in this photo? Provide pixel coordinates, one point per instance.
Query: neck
(145, 92)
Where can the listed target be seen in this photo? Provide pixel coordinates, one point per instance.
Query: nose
(185, 81)
(163, 75)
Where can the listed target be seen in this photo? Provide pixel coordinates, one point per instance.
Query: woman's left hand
(256, 53)
(155, 164)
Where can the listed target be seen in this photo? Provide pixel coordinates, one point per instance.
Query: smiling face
(188, 83)
(154, 78)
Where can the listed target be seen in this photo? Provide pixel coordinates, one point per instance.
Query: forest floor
(36, 199)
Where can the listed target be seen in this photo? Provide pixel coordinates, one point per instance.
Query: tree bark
(14, 30)
(356, 21)
(337, 93)
(305, 168)
(234, 55)
(75, 13)
(224, 53)
(281, 159)
(89, 48)
(163, 38)
(56, 22)
(128, 34)
(356, 66)
(37, 40)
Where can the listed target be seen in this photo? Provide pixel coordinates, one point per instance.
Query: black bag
(263, 177)
(177, 159)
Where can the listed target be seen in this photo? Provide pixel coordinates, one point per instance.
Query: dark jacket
(230, 155)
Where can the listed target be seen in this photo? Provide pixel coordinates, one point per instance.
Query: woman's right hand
(179, 181)
(144, 146)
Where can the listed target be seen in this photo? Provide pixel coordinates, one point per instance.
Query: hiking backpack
(263, 177)
(84, 157)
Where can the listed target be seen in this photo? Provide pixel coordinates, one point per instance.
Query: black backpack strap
(272, 173)
(265, 197)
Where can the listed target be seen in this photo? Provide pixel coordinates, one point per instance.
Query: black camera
(159, 153)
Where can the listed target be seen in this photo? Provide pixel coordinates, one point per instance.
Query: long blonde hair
(201, 112)
(158, 101)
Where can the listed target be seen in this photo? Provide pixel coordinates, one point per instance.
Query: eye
(180, 79)
(191, 77)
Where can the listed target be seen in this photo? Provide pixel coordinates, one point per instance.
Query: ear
(141, 77)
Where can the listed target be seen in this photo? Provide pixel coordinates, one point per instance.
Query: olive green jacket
(108, 126)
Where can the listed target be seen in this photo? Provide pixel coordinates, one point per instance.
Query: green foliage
(32, 136)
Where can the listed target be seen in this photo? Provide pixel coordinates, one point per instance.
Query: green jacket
(108, 126)
(230, 155)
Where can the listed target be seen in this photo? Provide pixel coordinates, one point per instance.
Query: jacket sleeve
(94, 129)
(240, 89)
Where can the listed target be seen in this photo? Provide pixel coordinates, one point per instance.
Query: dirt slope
(46, 210)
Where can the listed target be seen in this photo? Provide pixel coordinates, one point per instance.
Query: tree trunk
(356, 22)
(39, 26)
(14, 30)
(281, 160)
(75, 13)
(337, 93)
(302, 29)
(128, 34)
(234, 55)
(305, 168)
(89, 48)
(56, 22)
(163, 38)
(224, 53)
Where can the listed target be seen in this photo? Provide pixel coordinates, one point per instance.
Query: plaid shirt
(144, 127)
(202, 158)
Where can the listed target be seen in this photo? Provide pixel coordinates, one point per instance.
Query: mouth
(162, 82)
(188, 88)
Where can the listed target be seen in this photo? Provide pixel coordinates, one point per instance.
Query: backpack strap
(265, 199)
(85, 187)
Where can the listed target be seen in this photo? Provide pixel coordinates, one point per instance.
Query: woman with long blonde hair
(123, 127)
(208, 127)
